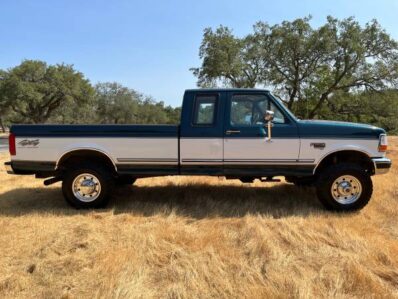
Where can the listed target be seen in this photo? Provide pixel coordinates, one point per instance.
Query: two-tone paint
(297, 147)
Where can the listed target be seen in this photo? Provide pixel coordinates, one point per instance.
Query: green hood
(337, 129)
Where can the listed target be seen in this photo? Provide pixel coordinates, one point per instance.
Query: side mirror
(269, 115)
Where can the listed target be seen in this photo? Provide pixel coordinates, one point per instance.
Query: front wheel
(344, 187)
(88, 186)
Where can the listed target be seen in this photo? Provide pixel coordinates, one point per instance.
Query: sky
(150, 45)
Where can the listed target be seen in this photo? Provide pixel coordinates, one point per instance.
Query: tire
(344, 187)
(96, 181)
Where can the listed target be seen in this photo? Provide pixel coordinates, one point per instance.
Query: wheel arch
(356, 156)
(86, 153)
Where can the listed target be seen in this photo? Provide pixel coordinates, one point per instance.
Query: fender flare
(348, 149)
(70, 151)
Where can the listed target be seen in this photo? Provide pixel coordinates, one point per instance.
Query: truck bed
(134, 149)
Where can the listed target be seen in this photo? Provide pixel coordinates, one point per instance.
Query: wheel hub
(346, 189)
(86, 187)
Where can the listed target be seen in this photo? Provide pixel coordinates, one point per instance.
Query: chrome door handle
(229, 132)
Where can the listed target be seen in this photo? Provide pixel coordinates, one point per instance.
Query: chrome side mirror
(269, 117)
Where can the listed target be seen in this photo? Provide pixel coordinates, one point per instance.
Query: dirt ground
(197, 237)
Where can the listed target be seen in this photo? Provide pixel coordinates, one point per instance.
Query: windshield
(284, 106)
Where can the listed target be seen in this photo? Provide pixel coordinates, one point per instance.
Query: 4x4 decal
(27, 142)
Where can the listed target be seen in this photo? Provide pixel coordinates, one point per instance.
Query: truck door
(247, 151)
(201, 132)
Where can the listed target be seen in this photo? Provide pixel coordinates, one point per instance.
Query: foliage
(377, 108)
(306, 66)
(116, 103)
(34, 90)
(119, 104)
(234, 61)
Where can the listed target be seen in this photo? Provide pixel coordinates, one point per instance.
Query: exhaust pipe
(52, 181)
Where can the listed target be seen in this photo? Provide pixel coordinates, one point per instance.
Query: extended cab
(242, 134)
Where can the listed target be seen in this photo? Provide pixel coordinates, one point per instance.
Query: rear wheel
(88, 186)
(344, 187)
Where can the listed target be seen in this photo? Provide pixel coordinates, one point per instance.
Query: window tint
(249, 110)
(204, 110)
(278, 116)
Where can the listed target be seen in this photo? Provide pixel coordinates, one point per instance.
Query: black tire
(103, 177)
(332, 173)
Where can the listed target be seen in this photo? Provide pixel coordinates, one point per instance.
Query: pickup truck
(244, 134)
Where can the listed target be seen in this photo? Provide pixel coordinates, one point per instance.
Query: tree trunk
(318, 106)
(3, 128)
(291, 98)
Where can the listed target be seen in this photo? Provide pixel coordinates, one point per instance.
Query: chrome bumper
(381, 165)
(8, 168)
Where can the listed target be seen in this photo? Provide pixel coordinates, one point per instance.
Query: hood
(337, 129)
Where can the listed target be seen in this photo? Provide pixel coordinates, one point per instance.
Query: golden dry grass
(197, 237)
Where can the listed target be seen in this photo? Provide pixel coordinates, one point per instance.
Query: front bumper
(381, 165)
(8, 168)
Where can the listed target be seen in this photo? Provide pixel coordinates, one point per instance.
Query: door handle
(229, 132)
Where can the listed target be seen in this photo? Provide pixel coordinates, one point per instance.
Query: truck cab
(244, 134)
(223, 132)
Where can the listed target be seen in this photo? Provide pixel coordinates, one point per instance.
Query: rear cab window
(205, 110)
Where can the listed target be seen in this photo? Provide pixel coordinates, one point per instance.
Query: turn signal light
(382, 148)
(383, 143)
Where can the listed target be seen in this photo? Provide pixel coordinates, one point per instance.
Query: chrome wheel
(346, 189)
(86, 187)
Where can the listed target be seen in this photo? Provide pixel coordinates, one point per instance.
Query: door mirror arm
(269, 117)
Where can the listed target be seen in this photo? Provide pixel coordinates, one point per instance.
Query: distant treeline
(35, 92)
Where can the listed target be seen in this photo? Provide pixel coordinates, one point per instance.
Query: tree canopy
(305, 66)
(35, 90)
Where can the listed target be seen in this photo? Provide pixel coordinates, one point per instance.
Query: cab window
(249, 110)
(204, 112)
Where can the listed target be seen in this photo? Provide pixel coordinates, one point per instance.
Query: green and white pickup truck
(241, 134)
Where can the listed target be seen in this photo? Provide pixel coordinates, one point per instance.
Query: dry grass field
(197, 237)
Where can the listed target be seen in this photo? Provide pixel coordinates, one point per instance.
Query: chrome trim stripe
(269, 163)
(202, 160)
(271, 160)
(147, 160)
(248, 161)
